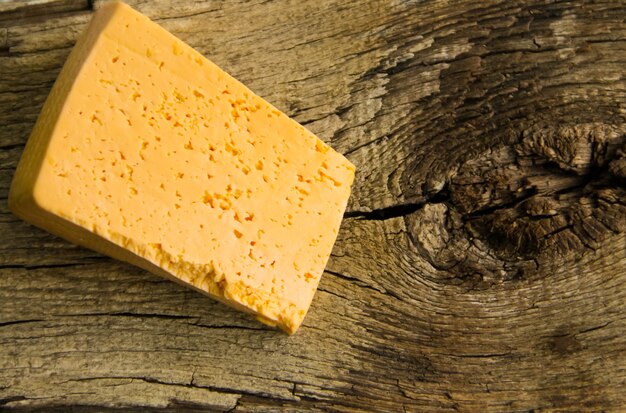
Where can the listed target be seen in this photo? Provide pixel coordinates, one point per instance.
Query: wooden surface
(482, 262)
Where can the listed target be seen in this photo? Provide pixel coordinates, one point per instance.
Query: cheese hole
(207, 199)
(237, 234)
(230, 148)
(115, 59)
(95, 119)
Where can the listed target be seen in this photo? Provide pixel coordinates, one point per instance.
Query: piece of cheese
(148, 152)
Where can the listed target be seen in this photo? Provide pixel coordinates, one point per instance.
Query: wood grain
(481, 265)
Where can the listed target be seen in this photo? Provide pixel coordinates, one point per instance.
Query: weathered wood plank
(482, 262)
(19, 10)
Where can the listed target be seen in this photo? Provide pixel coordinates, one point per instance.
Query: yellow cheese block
(148, 152)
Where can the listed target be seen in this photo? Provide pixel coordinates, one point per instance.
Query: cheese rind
(148, 152)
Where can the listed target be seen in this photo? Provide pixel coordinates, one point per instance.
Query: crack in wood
(233, 327)
(12, 399)
(134, 315)
(355, 281)
(382, 214)
(11, 323)
(397, 211)
(29, 267)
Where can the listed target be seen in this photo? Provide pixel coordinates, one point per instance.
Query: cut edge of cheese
(26, 204)
(21, 192)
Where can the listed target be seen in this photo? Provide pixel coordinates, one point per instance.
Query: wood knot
(550, 195)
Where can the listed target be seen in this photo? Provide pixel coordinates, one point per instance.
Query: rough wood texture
(482, 262)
